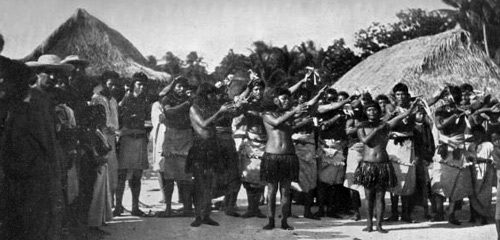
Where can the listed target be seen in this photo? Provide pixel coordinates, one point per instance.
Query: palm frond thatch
(425, 64)
(91, 39)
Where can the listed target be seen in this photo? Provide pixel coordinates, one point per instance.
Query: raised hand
(300, 108)
(323, 89)
(226, 107)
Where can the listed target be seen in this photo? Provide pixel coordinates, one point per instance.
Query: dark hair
(331, 91)
(466, 87)
(366, 96)
(269, 96)
(372, 104)
(182, 81)
(109, 75)
(256, 83)
(344, 94)
(202, 93)
(456, 93)
(201, 101)
(382, 97)
(105, 76)
(400, 87)
(138, 77)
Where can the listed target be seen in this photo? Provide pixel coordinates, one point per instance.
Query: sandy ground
(133, 228)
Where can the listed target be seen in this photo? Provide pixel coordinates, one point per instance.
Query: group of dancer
(70, 144)
(292, 141)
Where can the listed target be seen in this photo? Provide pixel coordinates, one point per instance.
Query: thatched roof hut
(91, 39)
(425, 64)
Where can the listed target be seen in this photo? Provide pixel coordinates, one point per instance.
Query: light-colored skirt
(250, 154)
(100, 208)
(402, 156)
(332, 162)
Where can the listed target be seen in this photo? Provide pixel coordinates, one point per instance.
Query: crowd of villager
(70, 143)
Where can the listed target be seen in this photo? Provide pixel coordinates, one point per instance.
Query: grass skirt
(279, 167)
(380, 176)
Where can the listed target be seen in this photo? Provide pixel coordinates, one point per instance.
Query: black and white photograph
(249, 119)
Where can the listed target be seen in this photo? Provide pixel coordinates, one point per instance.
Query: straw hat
(75, 60)
(50, 61)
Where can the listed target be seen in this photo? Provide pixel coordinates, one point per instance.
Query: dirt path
(133, 228)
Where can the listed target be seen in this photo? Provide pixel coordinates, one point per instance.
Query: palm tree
(280, 65)
(473, 13)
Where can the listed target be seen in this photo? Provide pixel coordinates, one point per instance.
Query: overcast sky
(210, 27)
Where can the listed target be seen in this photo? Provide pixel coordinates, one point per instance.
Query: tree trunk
(485, 38)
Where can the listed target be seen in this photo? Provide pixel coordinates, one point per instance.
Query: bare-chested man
(375, 172)
(280, 165)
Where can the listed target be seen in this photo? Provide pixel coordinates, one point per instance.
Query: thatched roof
(425, 64)
(91, 39)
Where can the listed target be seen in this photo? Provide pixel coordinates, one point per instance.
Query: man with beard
(205, 158)
(133, 155)
(32, 190)
(176, 144)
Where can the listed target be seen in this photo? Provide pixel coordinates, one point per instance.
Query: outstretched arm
(368, 138)
(393, 122)
(276, 121)
(436, 96)
(315, 99)
(296, 87)
(332, 106)
(442, 122)
(169, 110)
(197, 119)
(302, 122)
(167, 88)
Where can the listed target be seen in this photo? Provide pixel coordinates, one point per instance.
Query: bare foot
(381, 230)
(259, 214)
(356, 217)
(408, 220)
(285, 226)
(248, 215)
(311, 216)
(197, 222)
(454, 221)
(269, 226)
(437, 218)
(392, 218)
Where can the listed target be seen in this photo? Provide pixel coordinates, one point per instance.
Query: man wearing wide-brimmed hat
(48, 68)
(133, 155)
(33, 168)
(79, 66)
